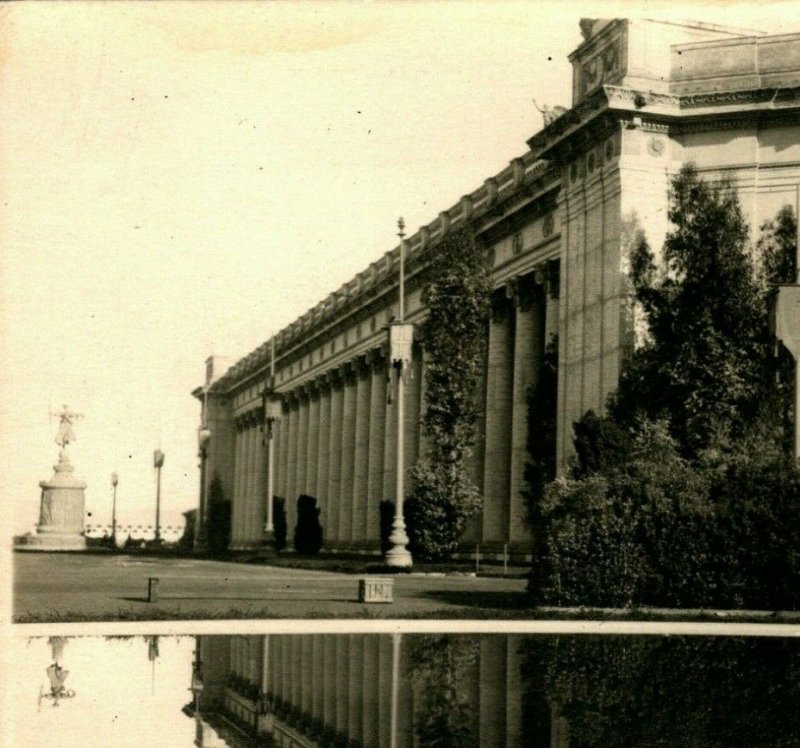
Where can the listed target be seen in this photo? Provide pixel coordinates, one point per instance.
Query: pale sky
(122, 698)
(184, 179)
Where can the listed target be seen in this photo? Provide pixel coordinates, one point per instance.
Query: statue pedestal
(61, 513)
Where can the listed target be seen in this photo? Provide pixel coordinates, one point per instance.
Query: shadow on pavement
(479, 599)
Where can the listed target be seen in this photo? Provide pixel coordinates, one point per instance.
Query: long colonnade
(336, 439)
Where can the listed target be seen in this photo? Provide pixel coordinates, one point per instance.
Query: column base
(52, 542)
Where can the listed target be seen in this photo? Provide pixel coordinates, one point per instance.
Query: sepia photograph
(400, 374)
(308, 307)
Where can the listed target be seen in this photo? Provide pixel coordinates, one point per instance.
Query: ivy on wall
(458, 300)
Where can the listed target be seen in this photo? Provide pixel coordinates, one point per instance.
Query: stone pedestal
(61, 513)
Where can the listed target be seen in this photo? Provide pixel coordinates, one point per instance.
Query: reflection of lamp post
(114, 481)
(272, 414)
(400, 339)
(203, 438)
(158, 462)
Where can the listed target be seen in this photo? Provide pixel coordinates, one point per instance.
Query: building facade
(558, 224)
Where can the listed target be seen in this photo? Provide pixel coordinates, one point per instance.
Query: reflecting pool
(398, 690)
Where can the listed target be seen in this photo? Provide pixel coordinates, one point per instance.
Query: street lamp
(114, 481)
(401, 336)
(158, 462)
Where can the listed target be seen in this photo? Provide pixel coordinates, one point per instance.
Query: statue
(66, 434)
(550, 114)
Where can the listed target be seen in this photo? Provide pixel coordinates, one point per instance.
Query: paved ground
(70, 587)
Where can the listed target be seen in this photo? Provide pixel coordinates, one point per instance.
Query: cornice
(496, 200)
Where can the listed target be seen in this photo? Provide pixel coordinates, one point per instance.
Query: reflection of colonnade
(315, 689)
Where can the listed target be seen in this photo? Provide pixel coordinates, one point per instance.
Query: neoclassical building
(557, 224)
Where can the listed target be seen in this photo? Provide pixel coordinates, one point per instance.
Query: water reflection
(447, 691)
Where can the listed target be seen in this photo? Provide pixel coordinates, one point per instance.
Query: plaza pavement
(86, 587)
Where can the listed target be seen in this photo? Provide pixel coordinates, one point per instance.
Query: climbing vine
(458, 298)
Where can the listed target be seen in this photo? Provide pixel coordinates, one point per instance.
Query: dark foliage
(279, 522)
(458, 300)
(682, 494)
(308, 530)
(648, 691)
(438, 670)
(219, 520)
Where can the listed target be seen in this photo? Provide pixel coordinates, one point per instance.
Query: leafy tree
(703, 367)
(458, 301)
(681, 494)
(438, 667)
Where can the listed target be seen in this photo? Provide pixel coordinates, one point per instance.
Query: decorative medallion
(655, 146)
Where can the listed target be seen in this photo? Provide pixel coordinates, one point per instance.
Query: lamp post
(158, 462)
(401, 337)
(114, 481)
(272, 414)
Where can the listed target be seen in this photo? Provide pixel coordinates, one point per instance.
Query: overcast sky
(184, 179)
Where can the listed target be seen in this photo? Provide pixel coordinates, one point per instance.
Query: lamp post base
(398, 555)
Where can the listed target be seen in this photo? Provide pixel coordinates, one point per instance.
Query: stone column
(492, 708)
(342, 677)
(498, 419)
(250, 482)
(329, 705)
(308, 678)
(244, 485)
(412, 412)
(335, 462)
(259, 506)
(312, 437)
(369, 694)
(302, 444)
(356, 686)
(238, 476)
(291, 470)
(390, 437)
(377, 432)
(318, 665)
(323, 451)
(528, 350)
(282, 474)
(361, 461)
(384, 688)
(348, 437)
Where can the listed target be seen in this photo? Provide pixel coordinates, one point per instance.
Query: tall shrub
(703, 365)
(680, 494)
(308, 530)
(458, 299)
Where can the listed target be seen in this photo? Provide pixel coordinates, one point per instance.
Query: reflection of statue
(66, 434)
(550, 114)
